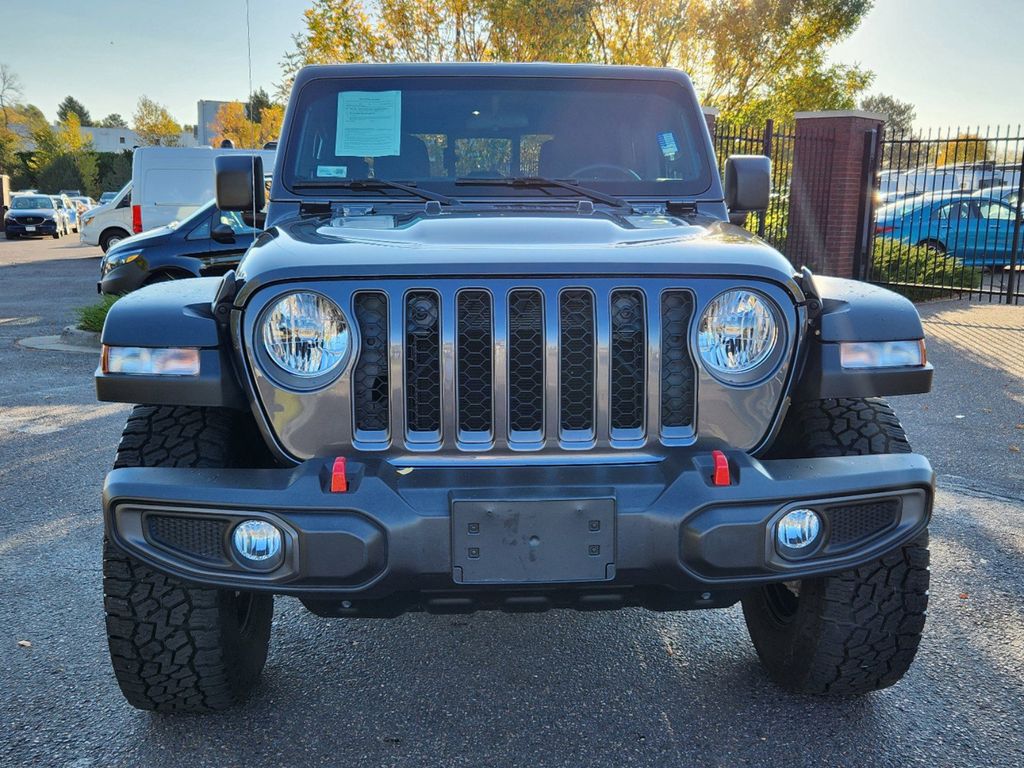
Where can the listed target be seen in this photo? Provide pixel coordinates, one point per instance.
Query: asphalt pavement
(556, 689)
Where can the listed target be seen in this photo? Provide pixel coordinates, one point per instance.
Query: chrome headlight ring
(303, 340)
(740, 337)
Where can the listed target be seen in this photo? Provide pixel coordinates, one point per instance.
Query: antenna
(248, 56)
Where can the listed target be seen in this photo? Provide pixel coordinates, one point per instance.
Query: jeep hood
(501, 243)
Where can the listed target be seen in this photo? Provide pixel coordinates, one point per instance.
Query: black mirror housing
(748, 182)
(222, 233)
(240, 185)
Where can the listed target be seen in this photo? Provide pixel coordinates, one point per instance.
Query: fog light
(257, 540)
(798, 529)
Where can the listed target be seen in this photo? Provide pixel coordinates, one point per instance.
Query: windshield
(31, 202)
(624, 137)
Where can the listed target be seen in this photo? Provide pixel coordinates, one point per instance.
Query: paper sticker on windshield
(369, 123)
(667, 142)
(332, 171)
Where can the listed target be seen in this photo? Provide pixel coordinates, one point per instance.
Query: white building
(207, 113)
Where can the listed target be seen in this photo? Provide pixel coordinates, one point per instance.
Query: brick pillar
(710, 116)
(828, 190)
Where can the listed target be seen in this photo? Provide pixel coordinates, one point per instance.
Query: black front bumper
(46, 228)
(671, 538)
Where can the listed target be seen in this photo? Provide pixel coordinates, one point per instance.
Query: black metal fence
(781, 144)
(948, 215)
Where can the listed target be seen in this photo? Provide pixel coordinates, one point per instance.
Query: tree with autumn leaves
(753, 59)
(248, 126)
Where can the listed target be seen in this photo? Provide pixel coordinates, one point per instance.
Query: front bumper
(45, 229)
(671, 538)
(123, 278)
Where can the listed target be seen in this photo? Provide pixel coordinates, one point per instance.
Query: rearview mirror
(222, 233)
(239, 182)
(748, 182)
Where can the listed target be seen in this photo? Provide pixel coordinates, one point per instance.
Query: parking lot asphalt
(555, 689)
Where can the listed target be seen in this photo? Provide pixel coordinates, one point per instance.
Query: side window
(234, 220)
(201, 232)
(126, 201)
(994, 211)
(954, 212)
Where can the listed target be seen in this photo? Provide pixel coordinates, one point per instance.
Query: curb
(70, 340)
(77, 338)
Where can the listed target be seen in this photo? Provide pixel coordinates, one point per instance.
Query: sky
(958, 62)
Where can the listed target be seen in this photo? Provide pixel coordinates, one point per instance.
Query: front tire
(111, 237)
(177, 647)
(857, 631)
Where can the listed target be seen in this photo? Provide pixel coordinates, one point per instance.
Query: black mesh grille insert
(475, 344)
(677, 371)
(849, 524)
(370, 376)
(576, 347)
(525, 361)
(423, 361)
(628, 356)
(200, 538)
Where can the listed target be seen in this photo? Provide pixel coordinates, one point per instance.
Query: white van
(109, 223)
(170, 183)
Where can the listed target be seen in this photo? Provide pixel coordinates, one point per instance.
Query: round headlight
(306, 334)
(737, 333)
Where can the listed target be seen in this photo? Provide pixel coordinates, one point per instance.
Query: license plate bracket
(533, 542)
(30, 228)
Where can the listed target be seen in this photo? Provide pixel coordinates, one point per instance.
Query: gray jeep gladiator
(499, 347)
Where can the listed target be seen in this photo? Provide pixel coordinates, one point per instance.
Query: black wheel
(857, 631)
(111, 237)
(934, 246)
(176, 647)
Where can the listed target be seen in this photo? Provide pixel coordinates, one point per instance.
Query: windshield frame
(705, 186)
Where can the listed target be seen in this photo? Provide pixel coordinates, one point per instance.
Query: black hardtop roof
(491, 69)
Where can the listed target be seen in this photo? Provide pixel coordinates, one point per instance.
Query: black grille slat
(576, 360)
(423, 361)
(370, 376)
(199, 538)
(526, 361)
(628, 360)
(474, 361)
(677, 369)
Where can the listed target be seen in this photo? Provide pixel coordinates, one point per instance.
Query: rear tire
(853, 632)
(111, 237)
(176, 647)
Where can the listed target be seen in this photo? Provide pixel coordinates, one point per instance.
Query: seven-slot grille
(525, 368)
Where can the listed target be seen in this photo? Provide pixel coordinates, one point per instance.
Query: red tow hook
(339, 483)
(721, 475)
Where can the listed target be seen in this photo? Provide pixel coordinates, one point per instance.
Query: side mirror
(748, 182)
(222, 233)
(239, 182)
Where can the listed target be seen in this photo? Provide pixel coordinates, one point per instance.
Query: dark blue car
(976, 230)
(209, 242)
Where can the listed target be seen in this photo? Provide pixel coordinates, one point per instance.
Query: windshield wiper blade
(375, 185)
(542, 181)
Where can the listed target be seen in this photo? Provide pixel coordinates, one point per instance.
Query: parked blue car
(976, 230)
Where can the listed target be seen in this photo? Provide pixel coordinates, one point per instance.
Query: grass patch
(918, 272)
(91, 318)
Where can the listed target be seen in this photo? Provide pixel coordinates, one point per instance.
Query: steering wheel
(627, 173)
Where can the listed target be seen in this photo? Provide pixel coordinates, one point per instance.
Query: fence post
(766, 146)
(826, 226)
(710, 117)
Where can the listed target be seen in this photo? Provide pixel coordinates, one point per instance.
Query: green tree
(113, 120)
(154, 124)
(71, 105)
(762, 56)
(258, 101)
(899, 115)
(118, 173)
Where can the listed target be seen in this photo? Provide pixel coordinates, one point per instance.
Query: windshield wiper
(375, 185)
(539, 182)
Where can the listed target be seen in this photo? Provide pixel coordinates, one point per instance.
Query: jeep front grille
(522, 368)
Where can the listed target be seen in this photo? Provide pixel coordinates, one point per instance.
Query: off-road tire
(856, 631)
(176, 647)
